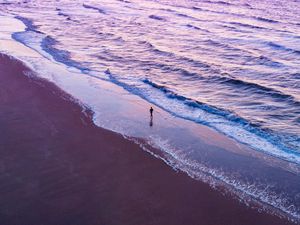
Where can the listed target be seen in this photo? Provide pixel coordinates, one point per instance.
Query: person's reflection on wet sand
(151, 121)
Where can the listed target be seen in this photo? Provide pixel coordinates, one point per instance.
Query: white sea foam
(216, 177)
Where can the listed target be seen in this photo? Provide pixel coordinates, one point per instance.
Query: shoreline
(74, 172)
(197, 150)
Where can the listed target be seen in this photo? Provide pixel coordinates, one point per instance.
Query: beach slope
(58, 168)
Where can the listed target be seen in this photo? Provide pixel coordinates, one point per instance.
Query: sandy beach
(58, 168)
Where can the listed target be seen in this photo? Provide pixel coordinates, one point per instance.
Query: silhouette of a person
(151, 111)
(151, 116)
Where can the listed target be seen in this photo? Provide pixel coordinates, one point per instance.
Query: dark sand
(58, 168)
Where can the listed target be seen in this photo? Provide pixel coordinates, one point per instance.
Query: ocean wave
(198, 8)
(218, 2)
(155, 49)
(6, 3)
(223, 45)
(192, 26)
(158, 51)
(257, 18)
(257, 88)
(102, 11)
(247, 58)
(125, 1)
(247, 25)
(155, 17)
(183, 15)
(63, 14)
(235, 29)
(282, 48)
(197, 28)
(296, 76)
(266, 20)
(47, 44)
(191, 102)
(262, 60)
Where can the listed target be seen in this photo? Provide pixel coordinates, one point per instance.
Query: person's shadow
(151, 121)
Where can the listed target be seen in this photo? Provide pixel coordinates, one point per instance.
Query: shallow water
(230, 65)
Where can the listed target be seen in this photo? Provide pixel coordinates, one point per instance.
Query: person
(151, 117)
(151, 111)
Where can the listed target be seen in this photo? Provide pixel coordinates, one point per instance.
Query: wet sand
(58, 168)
